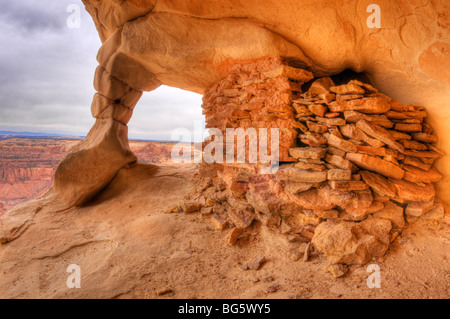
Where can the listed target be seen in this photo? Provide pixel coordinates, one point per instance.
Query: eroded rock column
(90, 165)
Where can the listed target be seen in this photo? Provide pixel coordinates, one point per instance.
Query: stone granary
(362, 153)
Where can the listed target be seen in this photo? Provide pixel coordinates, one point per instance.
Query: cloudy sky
(47, 70)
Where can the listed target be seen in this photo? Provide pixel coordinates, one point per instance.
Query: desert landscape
(325, 172)
(27, 165)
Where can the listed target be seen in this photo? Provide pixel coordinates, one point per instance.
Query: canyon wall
(27, 167)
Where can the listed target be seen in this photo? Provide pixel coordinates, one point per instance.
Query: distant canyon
(27, 165)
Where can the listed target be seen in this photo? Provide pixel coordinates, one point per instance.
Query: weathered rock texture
(357, 148)
(190, 45)
(360, 162)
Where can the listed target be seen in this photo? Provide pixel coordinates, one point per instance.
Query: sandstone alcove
(358, 149)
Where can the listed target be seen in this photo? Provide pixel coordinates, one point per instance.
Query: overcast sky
(47, 70)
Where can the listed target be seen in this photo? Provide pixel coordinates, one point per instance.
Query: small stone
(301, 110)
(413, 192)
(340, 162)
(173, 209)
(338, 270)
(371, 105)
(332, 115)
(341, 144)
(242, 218)
(347, 186)
(425, 138)
(321, 86)
(426, 128)
(376, 164)
(381, 120)
(351, 131)
(339, 174)
(294, 174)
(327, 214)
(327, 97)
(308, 152)
(335, 151)
(369, 88)
(235, 234)
(369, 150)
(417, 209)
(298, 75)
(350, 88)
(273, 288)
(295, 188)
(417, 162)
(378, 183)
(430, 154)
(335, 131)
(317, 138)
(257, 262)
(413, 145)
(405, 115)
(435, 149)
(379, 133)
(346, 97)
(295, 255)
(190, 206)
(331, 121)
(312, 200)
(164, 291)
(238, 188)
(219, 222)
(317, 109)
(206, 211)
(417, 175)
(393, 213)
(306, 166)
(244, 267)
(408, 127)
(315, 127)
(436, 213)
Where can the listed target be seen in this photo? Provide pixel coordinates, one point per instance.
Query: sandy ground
(128, 247)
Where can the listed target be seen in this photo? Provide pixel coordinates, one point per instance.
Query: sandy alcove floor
(128, 247)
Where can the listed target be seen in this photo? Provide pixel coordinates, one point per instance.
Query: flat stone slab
(370, 105)
(379, 133)
(308, 152)
(413, 192)
(294, 174)
(378, 183)
(376, 164)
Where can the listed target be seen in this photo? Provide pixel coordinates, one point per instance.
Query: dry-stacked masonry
(352, 160)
